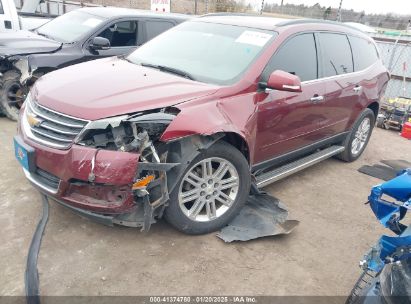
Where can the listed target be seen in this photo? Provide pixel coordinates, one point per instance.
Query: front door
(123, 36)
(288, 121)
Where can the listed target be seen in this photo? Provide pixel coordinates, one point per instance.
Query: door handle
(317, 99)
(357, 88)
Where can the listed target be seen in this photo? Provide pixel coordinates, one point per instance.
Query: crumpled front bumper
(64, 175)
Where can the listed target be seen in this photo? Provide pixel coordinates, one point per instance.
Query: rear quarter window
(336, 54)
(364, 53)
(155, 28)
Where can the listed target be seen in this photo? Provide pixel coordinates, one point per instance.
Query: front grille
(47, 179)
(52, 128)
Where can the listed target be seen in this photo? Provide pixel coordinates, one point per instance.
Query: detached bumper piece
(107, 220)
(262, 216)
(150, 201)
(151, 197)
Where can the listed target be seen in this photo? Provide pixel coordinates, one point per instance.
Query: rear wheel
(359, 136)
(11, 95)
(211, 192)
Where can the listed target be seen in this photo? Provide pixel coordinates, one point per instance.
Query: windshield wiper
(169, 70)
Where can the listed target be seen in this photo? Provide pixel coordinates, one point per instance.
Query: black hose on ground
(31, 276)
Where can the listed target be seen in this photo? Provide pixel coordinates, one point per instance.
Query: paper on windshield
(254, 38)
(92, 22)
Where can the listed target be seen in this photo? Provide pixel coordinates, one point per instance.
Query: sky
(369, 6)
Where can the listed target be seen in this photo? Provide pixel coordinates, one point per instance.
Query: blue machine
(387, 266)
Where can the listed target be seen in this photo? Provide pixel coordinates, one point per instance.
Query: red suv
(185, 124)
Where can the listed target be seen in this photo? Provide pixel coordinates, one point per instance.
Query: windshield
(70, 27)
(208, 52)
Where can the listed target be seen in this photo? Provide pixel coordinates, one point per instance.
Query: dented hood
(111, 86)
(25, 42)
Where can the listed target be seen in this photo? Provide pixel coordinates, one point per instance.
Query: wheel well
(238, 142)
(374, 107)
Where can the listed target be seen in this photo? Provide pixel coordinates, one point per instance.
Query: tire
(351, 154)
(184, 216)
(11, 95)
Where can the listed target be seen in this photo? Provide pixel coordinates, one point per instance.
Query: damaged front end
(137, 133)
(19, 64)
(17, 76)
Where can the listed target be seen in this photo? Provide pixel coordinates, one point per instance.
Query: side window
(364, 53)
(297, 56)
(121, 34)
(336, 54)
(155, 28)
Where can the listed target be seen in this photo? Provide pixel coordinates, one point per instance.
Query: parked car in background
(180, 126)
(11, 20)
(81, 35)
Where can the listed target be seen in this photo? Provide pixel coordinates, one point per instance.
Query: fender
(210, 117)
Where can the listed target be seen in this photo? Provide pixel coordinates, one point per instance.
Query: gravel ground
(79, 257)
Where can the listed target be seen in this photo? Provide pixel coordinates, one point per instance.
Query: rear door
(288, 121)
(154, 27)
(336, 74)
(366, 80)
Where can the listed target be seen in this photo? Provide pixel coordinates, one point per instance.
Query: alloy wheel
(208, 189)
(361, 136)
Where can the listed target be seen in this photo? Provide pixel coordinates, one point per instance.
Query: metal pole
(206, 6)
(339, 12)
(195, 7)
(262, 7)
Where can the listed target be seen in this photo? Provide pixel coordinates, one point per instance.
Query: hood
(111, 86)
(25, 42)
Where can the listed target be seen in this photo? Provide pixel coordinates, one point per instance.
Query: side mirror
(283, 81)
(100, 43)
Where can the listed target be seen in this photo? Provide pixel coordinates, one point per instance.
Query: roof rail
(308, 21)
(232, 14)
(286, 22)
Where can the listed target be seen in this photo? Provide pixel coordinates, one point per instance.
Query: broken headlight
(127, 133)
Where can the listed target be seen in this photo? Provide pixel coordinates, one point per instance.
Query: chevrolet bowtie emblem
(33, 120)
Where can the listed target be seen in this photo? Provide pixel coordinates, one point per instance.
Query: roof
(116, 12)
(256, 21)
(266, 23)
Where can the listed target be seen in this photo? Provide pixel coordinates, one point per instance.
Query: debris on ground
(31, 276)
(263, 215)
(397, 164)
(387, 171)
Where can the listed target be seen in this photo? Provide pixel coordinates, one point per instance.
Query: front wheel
(11, 94)
(359, 136)
(211, 191)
